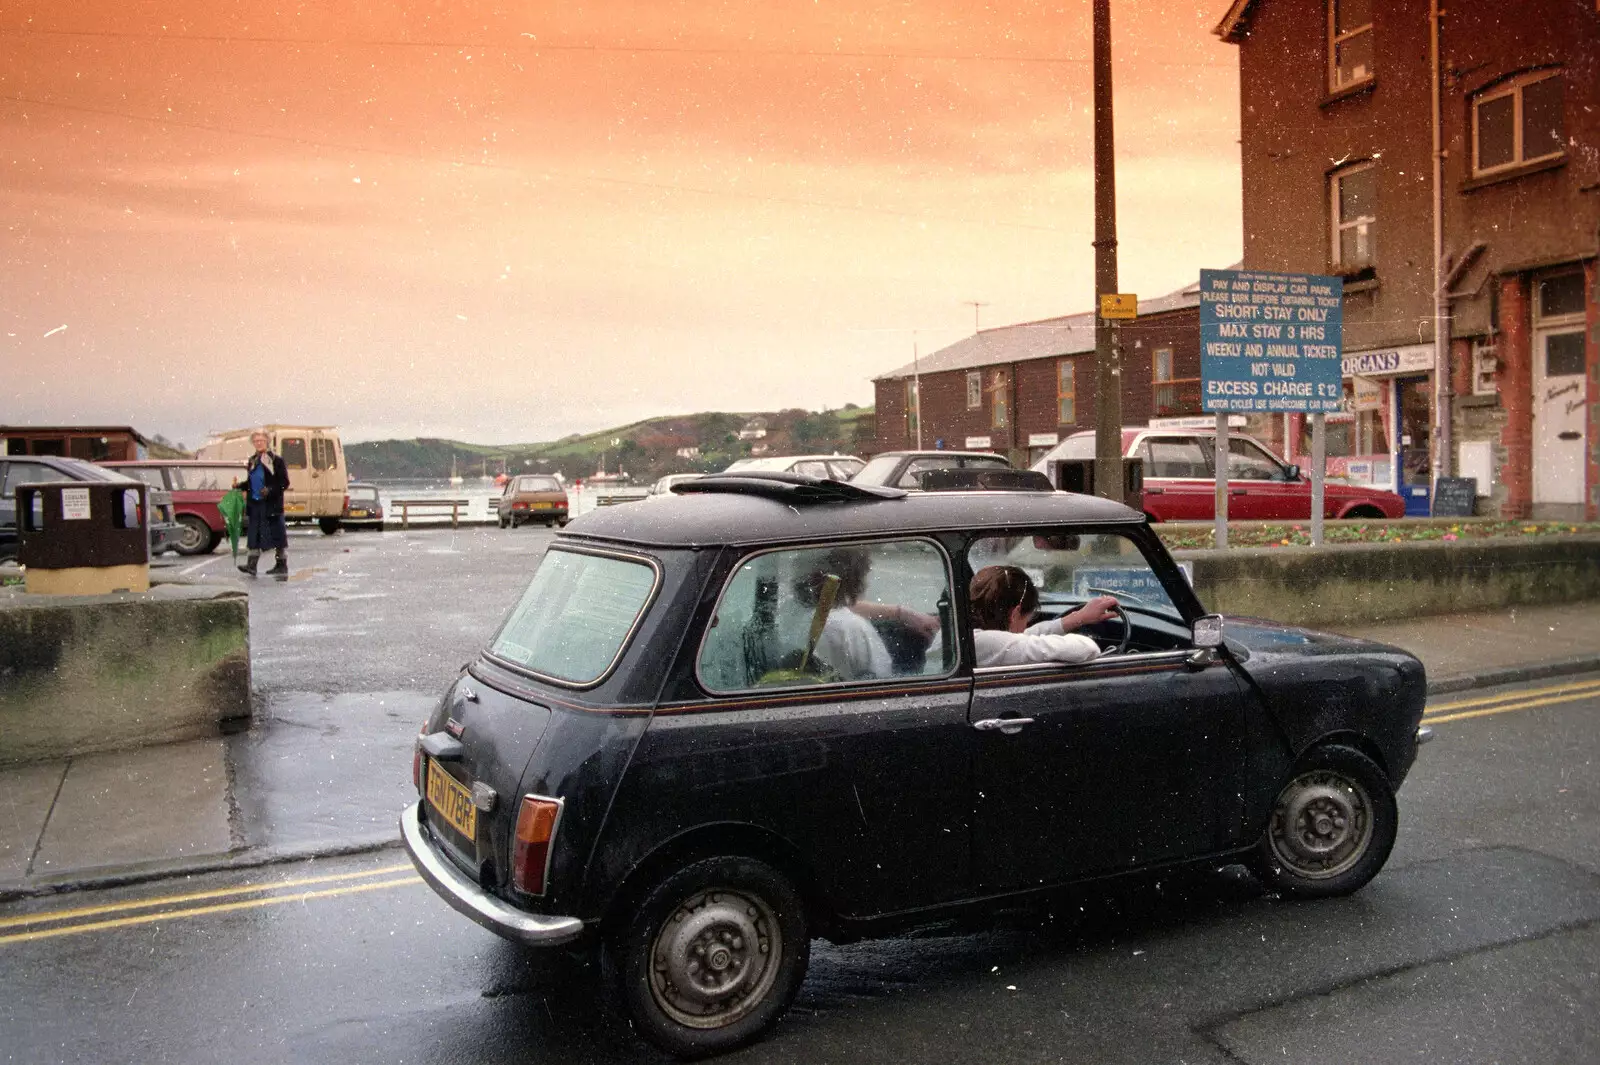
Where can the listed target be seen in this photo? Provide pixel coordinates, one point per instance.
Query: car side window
(912, 478)
(1174, 457)
(812, 469)
(855, 612)
(1247, 462)
(150, 475)
(844, 469)
(21, 473)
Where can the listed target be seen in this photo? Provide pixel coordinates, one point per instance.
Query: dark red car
(1180, 479)
(196, 486)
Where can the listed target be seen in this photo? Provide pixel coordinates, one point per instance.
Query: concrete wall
(1329, 586)
(96, 673)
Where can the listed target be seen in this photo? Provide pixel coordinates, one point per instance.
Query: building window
(1172, 395)
(974, 390)
(998, 408)
(1067, 392)
(1518, 122)
(913, 409)
(1353, 196)
(1349, 43)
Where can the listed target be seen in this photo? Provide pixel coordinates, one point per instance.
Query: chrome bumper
(1424, 735)
(453, 886)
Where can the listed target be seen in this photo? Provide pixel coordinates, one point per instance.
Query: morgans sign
(1417, 358)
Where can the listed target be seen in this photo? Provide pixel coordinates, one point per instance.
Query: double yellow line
(174, 907)
(1527, 699)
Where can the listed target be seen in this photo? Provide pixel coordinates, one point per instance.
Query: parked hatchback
(196, 487)
(363, 507)
(835, 467)
(1180, 479)
(18, 470)
(530, 497)
(717, 727)
(905, 469)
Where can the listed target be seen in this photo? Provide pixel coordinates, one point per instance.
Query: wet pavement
(1479, 942)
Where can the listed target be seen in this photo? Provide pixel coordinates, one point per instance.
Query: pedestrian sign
(1123, 305)
(1271, 342)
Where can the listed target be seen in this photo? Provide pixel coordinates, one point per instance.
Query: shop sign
(1384, 362)
(1270, 342)
(1369, 394)
(1043, 439)
(1235, 421)
(976, 442)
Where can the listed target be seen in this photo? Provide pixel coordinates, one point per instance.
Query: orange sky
(507, 222)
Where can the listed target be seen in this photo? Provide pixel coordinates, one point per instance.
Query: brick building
(1018, 389)
(1336, 122)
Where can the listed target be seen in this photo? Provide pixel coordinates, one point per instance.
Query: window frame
(1334, 39)
(1069, 363)
(1513, 87)
(913, 408)
(1067, 670)
(622, 647)
(974, 389)
(999, 404)
(1337, 223)
(952, 668)
(1157, 383)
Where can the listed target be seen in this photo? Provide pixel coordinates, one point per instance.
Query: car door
(294, 449)
(1178, 480)
(1259, 487)
(1126, 761)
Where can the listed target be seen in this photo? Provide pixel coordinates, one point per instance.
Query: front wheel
(329, 526)
(713, 956)
(197, 537)
(1332, 827)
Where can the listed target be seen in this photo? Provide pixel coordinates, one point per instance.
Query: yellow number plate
(451, 801)
(543, 506)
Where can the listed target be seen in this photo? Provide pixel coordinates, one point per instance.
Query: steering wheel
(1122, 613)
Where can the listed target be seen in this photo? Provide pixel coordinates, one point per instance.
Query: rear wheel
(1332, 827)
(502, 521)
(1364, 512)
(713, 956)
(197, 537)
(329, 526)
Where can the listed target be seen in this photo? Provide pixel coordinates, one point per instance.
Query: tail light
(536, 828)
(347, 501)
(519, 506)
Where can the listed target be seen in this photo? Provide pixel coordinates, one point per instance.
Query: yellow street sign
(1119, 305)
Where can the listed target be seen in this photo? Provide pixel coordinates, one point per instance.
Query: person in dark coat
(266, 479)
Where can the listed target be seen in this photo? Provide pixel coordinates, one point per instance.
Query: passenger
(1003, 599)
(849, 644)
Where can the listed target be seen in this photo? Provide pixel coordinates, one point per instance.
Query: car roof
(941, 454)
(709, 519)
(778, 462)
(173, 462)
(77, 469)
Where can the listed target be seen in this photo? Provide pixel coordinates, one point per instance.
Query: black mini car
(760, 712)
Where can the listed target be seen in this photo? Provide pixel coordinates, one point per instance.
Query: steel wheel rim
(1322, 825)
(192, 536)
(715, 958)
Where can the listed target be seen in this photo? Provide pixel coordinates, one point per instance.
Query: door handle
(1238, 491)
(1006, 726)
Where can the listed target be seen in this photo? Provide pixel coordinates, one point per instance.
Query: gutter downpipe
(1441, 301)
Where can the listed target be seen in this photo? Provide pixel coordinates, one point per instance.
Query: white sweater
(1044, 642)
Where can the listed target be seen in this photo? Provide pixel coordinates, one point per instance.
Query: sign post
(1270, 343)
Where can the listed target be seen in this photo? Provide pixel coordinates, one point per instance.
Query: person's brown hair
(996, 591)
(850, 564)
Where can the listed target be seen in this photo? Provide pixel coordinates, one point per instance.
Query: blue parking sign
(1271, 342)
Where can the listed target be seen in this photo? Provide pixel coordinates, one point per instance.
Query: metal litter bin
(84, 537)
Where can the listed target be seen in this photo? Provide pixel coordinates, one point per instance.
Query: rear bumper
(165, 537)
(441, 874)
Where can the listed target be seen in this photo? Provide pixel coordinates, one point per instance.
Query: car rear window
(576, 615)
(538, 484)
(205, 478)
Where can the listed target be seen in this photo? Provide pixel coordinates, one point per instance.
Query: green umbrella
(232, 507)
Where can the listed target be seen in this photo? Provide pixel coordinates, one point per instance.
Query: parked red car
(1180, 479)
(196, 486)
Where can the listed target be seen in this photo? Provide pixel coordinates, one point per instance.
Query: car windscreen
(78, 470)
(576, 615)
(205, 478)
(878, 470)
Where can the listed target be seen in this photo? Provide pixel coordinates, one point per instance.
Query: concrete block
(125, 808)
(1363, 583)
(80, 674)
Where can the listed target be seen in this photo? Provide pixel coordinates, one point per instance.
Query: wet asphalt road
(1480, 942)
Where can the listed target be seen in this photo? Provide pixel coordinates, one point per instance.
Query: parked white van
(318, 476)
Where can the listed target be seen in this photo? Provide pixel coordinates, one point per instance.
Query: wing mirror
(1208, 631)
(1293, 473)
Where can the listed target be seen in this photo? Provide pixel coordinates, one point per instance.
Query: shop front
(1383, 437)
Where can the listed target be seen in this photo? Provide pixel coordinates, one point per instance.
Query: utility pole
(1107, 356)
(975, 304)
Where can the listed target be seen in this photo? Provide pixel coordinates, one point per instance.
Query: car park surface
(196, 487)
(660, 752)
(1180, 479)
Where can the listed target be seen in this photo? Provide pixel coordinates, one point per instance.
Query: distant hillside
(685, 443)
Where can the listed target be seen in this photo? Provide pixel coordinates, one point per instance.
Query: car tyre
(712, 957)
(329, 526)
(1331, 828)
(197, 537)
(502, 522)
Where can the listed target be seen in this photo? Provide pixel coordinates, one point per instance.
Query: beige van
(317, 474)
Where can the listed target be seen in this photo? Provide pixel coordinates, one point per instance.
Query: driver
(1004, 598)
